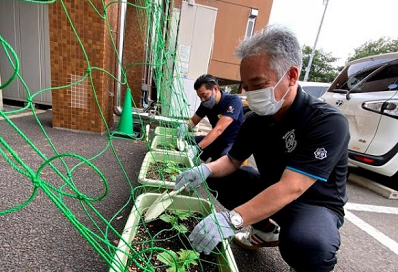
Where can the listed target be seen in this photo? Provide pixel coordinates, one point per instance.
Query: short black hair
(207, 79)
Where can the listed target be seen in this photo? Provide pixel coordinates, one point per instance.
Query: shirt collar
(296, 107)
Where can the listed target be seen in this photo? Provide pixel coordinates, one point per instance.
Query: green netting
(138, 247)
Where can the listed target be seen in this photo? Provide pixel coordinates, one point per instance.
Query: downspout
(117, 108)
(145, 85)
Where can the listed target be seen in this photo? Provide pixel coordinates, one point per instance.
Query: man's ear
(293, 75)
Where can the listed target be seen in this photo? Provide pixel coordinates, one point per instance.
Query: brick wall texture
(75, 107)
(134, 50)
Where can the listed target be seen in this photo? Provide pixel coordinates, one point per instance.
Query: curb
(373, 186)
(23, 114)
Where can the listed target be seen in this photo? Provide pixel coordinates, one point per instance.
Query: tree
(370, 48)
(322, 69)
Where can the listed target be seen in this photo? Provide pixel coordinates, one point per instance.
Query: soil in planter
(161, 234)
(167, 146)
(167, 171)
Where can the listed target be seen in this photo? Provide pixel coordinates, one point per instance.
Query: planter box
(166, 131)
(165, 140)
(169, 131)
(226, 260)
(157, 156)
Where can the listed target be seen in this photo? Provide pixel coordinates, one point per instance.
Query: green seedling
(180, 262)
(173, 169)
(174, 219)
(166, 146)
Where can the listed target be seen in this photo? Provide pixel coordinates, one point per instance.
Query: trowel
(161, 204)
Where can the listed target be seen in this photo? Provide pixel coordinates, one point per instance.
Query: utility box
(194, 45)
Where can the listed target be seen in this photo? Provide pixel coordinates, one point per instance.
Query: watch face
(236, 220)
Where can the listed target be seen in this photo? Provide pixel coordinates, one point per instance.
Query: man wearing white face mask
(225, 114)
(295, 199)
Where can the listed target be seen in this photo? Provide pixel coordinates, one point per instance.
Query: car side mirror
(347, 95)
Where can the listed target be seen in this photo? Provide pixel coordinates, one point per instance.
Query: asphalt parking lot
(39, 238)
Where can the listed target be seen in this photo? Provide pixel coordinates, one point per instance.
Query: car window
(373, 79)
(379, 81)
(315, 91)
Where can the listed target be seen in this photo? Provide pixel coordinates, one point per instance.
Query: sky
(348, 24)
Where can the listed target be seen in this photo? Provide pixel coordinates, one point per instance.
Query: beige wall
(231, 23)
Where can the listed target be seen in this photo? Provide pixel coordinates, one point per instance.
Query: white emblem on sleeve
(290, 141)
(320, 153)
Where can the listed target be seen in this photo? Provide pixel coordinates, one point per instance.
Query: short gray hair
(277, 42)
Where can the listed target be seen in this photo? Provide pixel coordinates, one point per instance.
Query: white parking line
(23, 114)
(376, 234)
(371, 208)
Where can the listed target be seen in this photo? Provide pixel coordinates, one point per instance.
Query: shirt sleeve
(233, 108)
(324, 143)
(242, 148)
(201, 111)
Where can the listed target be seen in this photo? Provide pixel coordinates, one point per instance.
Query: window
(250, 27)
(251, 22)
(370, 78)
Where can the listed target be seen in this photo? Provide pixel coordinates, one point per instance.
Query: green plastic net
(159, 245)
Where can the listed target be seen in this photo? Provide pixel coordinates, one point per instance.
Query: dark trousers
(309, 237)
(215, 150)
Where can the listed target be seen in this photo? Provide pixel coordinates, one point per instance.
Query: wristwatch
(236, 219)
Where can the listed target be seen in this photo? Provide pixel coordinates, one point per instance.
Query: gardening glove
(182, 130)
(193, 151)
(192, 177)
(211, 231)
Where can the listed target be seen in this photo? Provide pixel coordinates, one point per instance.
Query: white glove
(182, 130)
(193, 177)
(193, 151)
(211, 231)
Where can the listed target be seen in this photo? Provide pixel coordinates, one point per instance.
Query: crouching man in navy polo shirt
(225, 114)
(295, 200)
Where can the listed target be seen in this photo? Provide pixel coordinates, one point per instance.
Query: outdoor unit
(195, 44)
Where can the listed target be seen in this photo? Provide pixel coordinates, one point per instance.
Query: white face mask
(263, 101)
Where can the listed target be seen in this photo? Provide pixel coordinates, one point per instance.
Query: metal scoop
(161, 204)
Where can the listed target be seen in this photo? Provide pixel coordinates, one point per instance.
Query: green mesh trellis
(163, 160)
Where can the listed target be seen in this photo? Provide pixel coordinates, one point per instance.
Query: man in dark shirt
(296, 198)
(225, 115)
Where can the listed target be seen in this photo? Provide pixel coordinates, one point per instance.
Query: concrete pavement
(39, 238)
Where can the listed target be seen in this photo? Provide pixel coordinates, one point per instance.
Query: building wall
(134, 51)
(231, 23)
(75, 107)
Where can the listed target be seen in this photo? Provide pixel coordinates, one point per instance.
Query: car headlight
(389, 107)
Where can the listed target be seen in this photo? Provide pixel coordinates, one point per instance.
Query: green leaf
(172, 269)
(166, 218)
(182, 215)
(181, 228)
(169, 258)
(188, 257)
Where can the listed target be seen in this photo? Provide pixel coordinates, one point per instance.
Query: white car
(366, 92)
(316, 89)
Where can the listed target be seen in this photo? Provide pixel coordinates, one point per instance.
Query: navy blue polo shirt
(312, 139)
(229, 105)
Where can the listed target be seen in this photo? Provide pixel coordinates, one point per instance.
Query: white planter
(157, 156)
(226, 260)
(163, 139)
